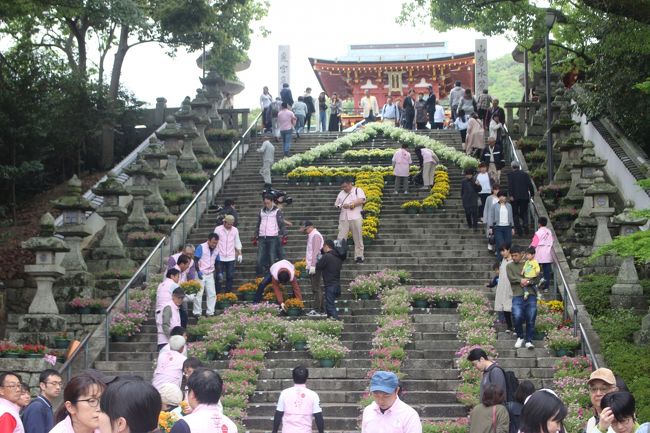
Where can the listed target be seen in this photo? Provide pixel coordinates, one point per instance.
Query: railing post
(107, 336)
(162, 248)
(183, 233)
(85, 349)
(575, 322)
(196, 208)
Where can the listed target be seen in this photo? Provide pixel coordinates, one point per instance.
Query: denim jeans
(267, 253)
(286, 140)
(524, 311)
(330, 298)
(547, 268)
(300, 123)
(502, 235)
(260, 288)
(228, 269)
(322, 119)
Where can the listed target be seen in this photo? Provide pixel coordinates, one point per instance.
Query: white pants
(353, 226)
(211, 298)
(428, 171)
(265, 171)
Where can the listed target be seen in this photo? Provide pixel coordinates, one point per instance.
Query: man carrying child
(523, 308)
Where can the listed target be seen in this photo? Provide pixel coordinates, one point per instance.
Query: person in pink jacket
(80, 410)
(401, 165)
(543, 243)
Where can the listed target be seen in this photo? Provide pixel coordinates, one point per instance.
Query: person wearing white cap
(388, 414)
(315, 243)
(601, 381)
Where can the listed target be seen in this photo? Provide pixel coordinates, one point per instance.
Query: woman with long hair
(543, 413)
(80, 411)
(336, 109)
(129, 406)
(490, 416)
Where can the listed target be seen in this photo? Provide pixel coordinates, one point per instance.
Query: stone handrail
(99, 339)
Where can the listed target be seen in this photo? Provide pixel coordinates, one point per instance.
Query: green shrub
(617, 325)
(641, 390)
(594, 292)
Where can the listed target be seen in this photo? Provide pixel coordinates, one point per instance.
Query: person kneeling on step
(281, 272)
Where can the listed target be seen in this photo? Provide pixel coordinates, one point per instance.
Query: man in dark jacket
(521, 191)
(493, 158)
(330, 265)
(286, 95)
(469, 189)
(492, 373)
(38, 416)
(430, 106)
(409, 110)
(311, 109)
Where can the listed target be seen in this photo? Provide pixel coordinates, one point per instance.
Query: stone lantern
(154, 154)
(600, 192)
(627, 285)
(110, 246)
(213, 83)
(186, 117)
(571, 149)
(46, 270)
(563, 124)
(201, 106)
(139, 171)
(171, 134)
(583, 171)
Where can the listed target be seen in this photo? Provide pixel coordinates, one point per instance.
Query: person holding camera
(270, 234)
(350, 201)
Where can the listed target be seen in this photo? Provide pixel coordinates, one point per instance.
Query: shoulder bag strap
(494, 418)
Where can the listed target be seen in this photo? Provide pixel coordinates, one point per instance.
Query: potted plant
(61, 340)
(545, 323)
(411, 207)
(98, 306)
(297, 336)
(247, 291)
(301, 266)
(420, 297)
(225, 300)
(364, 287)
(326, 350)
(9, 349)
(80, 305)
(294, 307)
(143, 239)
(564, 214)
(33, 350)
(122, 328)
(446, 298)
(215, 349)
(562, 341)
(191, 287)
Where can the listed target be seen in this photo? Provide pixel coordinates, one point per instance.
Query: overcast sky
(313, 28)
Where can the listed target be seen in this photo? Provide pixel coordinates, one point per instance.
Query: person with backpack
(490, 416)
(515, 407)
(329, 266)
(492, 373)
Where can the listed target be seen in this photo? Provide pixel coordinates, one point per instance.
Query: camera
(278, 197)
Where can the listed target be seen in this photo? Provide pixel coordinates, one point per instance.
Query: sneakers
(359, 260)
(395, 192)
(490, 247)
(519, 343)
(508, 331)
(313, 313)
(406, 192)
(529, 345)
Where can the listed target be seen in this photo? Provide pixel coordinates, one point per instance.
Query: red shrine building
(394, 69)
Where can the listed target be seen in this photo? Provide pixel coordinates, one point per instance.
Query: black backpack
(512, 383)
(341, 248)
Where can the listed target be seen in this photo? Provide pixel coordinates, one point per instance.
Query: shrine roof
(392, 53)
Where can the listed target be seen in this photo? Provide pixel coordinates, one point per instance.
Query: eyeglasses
(92, 402)
(12, 386)
(55, 384)
(601, 390)
(622, 422)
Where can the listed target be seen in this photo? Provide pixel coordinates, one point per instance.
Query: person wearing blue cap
(388, 414)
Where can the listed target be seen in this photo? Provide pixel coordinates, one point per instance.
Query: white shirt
(484, 180)
(503, 216)
(439, 115)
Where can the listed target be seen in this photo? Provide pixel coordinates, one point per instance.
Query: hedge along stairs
(436, 249)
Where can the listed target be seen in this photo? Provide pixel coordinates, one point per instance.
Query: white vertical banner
(480, 66)
(284, 67)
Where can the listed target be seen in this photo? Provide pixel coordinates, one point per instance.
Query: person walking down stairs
(267, 150)
(314, 245)
(401, 166)
(350, 201)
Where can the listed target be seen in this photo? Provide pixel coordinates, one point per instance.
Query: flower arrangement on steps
(299, 331)
(394, 326)
(371, 285)
(438, 194)
(435, 297)
(125, 325)
(369, 155)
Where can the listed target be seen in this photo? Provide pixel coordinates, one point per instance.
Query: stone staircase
(437, 249)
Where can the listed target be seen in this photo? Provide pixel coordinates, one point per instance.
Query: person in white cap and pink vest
(168, 317)
(229, 249)
(204, 391)
(270, 235)
(315, 243)
(10, 392)
(297, 406)
(388, 414)
(205, 256)
(169, 367)
(281, 272)
(350, 201)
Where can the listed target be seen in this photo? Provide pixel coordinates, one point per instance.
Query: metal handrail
(567, 298)
(209, 186)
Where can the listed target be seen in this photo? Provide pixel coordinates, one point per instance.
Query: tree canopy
(607, 41)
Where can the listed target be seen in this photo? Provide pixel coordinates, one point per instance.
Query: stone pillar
(571, 149)
(45, 271)
(643, 335)
(601, 210)
(627, 292)
(201, 106)
(583, 172)
(161, 107)
(171, 182)
(73, 206)
(186, 117)
(213, 83)
(140, 171)
(155, 155)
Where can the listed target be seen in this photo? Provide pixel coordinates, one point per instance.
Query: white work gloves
(312, 270)
(239, 258)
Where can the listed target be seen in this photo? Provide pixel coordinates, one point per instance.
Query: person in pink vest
(270, 235)
(10, 392)
(388, 414)
(281, 272)
(297, 405)
(129, 405)
(176, 330)
(401, 166)
(543, 243)
(169, 317)
(80, 411)
(169, 367)
(190, 273)
(166, 288)
(206, 256)
(229, 247)
(315, 243)
(204, 391)
(350, 201)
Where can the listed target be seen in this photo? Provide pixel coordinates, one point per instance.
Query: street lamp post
(549, 20)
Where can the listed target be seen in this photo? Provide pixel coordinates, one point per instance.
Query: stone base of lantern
(638, 303)
(100, 265)
(39, 323)
(72, 285)
(643, 336)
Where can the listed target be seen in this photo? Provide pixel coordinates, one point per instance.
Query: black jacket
(285, 95)
(309, 101)
(469, 192)
(430, 105)
(408, 105)
(330, 265)
(498, 156)
(520, 185)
